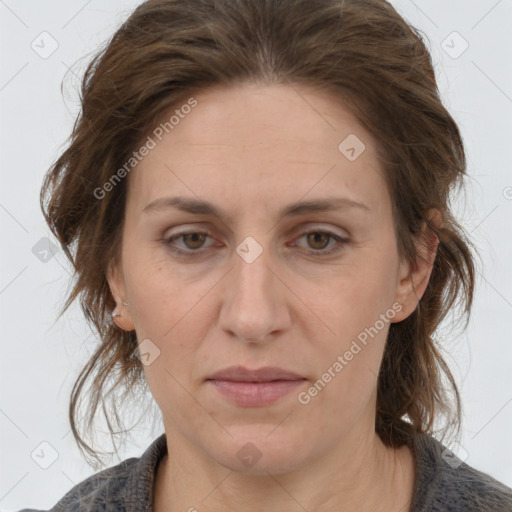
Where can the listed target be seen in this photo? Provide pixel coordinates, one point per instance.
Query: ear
(412, 282)
(117, 287)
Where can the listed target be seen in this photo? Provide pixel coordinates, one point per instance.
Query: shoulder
(125, 487)
(444, 483)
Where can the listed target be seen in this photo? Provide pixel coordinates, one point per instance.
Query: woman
(257, 191)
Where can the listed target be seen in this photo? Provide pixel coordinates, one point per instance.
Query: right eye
(194, 241)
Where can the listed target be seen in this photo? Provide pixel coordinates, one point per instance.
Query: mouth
(255, 388)
(265, 374)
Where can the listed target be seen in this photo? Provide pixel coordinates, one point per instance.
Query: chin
(259, 451)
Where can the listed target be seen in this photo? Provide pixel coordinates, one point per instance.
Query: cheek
(357, 307)
(162, 296)
(355, 296)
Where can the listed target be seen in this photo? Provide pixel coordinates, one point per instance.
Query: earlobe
(413, 280)
(121, 315)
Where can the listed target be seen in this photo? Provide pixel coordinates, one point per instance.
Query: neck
(360, 473)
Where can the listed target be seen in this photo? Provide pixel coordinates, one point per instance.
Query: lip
(265, 374)
(255, 388)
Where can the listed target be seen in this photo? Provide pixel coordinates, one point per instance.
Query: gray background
(41, 357)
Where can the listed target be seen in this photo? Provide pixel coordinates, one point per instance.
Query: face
(312, 292)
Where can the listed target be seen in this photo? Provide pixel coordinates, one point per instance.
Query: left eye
(322, 238)
(315, 237)
(195, 240)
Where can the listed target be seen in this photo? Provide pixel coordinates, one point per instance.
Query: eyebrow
(200, 207)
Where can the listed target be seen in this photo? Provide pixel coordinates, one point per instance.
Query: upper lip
(265, 374)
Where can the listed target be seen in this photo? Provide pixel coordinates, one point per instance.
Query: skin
(252, 149)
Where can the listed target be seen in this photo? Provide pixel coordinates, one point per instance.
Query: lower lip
(255, 394)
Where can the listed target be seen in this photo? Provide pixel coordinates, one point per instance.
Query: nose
(254, 300)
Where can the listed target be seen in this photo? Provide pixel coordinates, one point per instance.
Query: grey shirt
(443, 484)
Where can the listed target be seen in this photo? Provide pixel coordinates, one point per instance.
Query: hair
(360, 51)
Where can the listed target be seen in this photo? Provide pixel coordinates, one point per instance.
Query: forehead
(265, 144)
(252, 115)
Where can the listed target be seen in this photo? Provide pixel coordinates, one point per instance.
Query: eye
(194, 241)
(318, 240)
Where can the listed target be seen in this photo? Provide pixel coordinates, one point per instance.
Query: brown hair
(364, 53)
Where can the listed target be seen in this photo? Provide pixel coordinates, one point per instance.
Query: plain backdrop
(470, 42)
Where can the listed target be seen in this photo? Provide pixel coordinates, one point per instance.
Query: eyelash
(319, 252)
